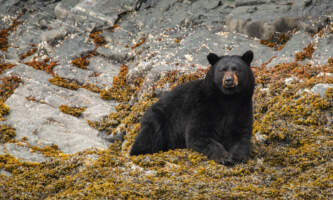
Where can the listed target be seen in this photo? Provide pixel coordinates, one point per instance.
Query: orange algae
(4, 33)
(45, 65)
(28, 53)
(7, 87)
(306, 53)
(277, 41)
(97, 38)
(82, 62)
(5, 66)
(139, 43)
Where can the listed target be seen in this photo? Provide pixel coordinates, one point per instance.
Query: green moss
(6, 133)
(75, 111)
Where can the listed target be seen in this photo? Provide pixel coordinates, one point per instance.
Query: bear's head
(231, 74)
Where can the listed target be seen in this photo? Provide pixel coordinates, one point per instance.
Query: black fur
(204, 115)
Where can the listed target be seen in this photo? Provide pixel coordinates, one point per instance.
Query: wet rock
(24, 153)
(263, 21)
(321, 89)
(35, 113)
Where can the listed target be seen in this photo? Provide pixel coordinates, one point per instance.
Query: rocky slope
(76, 77)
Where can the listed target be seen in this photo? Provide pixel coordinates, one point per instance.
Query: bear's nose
(228, 81)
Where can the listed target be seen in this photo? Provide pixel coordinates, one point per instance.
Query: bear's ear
(247, 57)
(212, 58)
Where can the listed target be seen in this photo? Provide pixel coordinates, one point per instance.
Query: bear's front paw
(239, 158)
(224, 159)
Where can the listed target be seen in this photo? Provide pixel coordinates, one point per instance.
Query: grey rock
(321, 89)
(43, 124)
(100, 12)
(52, 35)
(6, 6)
(73, 46)
(323, 50)
(296, 44)
(41, 121)
(1, 150)
(24, 153)
(5, 173)
(239, 3)
(282, 17)
(119, 54)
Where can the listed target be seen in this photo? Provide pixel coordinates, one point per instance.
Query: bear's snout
(230, 79)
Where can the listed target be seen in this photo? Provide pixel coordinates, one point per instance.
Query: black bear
(212, 116)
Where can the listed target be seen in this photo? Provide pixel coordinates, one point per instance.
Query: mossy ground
(291, 156)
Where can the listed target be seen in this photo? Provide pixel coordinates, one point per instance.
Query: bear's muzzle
(230, 80)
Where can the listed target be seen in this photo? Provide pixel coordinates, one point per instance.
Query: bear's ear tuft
(212, 58)
(247, 57)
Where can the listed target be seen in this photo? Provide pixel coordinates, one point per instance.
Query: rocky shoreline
(77, 75)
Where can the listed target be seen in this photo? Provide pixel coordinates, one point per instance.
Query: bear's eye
(224, 69)
(234, 68)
